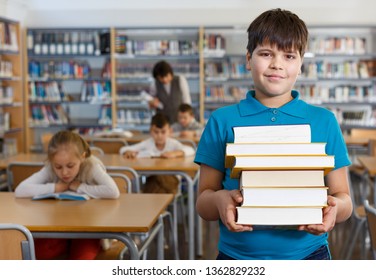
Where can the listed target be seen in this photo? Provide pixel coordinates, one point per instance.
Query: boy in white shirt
(160, 144)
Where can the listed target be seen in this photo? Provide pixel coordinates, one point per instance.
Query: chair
(128, 181)
(97, 151)
(16, 243)
(123, 182)
(371, 221)
(109, 145)
(19, 171)
(188, 142)
(45, 139)
(357, 219)
(130, 173)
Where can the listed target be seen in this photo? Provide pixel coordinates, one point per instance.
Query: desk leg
(191, 205)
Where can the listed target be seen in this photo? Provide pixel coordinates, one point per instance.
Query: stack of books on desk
(281, 176)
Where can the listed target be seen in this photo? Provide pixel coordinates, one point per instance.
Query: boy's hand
(226, 204)
(172, 154)
(130, 154)
(187, 134)
(329, 219)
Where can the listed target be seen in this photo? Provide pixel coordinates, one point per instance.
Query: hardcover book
(279, 215)
(284, 196)
(282, 178)
(242, 163)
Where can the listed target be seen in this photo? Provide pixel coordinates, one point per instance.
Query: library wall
(84, 13)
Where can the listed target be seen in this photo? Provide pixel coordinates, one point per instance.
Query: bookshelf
(226, 79)
(136, 50)
(338, 73)
(11, 92)
(68, 82)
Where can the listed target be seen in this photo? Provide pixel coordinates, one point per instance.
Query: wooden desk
(369, 163)
(184, 167)
(136, 138)
(95, 218)
(356, 141)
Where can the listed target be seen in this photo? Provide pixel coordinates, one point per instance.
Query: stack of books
(281, 174)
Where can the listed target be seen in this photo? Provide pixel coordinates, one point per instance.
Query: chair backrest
(123, 182)
(188, 142)
(45, 138)
(19, 171)
(16, 243)
(96, 151)
(109, 145)
(372, 147)
(130, 173)
(371, 221)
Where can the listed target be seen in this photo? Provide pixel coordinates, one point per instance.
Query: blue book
(68, 195)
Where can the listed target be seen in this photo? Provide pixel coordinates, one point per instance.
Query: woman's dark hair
(162, 69)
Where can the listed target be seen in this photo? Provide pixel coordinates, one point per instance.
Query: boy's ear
(248, 61)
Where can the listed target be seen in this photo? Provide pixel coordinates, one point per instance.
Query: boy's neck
(275, 101)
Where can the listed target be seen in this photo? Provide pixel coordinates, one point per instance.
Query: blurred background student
(168, 90)
(186, 126)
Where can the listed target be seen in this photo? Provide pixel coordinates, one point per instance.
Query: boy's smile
(274, 73)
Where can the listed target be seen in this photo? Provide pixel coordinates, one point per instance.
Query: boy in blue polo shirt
(277, 40)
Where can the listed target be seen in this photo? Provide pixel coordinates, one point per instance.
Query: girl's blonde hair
(66, 138)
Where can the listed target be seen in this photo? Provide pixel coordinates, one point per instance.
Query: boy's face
(184, 118)
(166, 79)
(274, 72)
(160, 135)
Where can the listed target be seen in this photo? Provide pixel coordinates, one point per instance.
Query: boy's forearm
(206, 205)
(344, 207)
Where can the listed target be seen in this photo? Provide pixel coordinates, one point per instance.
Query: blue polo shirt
(272, 243)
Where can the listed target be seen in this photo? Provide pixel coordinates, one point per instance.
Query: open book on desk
(68, 195)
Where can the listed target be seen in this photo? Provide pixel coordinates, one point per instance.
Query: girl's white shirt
(95, 182)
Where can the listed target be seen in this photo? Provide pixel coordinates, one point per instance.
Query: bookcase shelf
(11, 91)
(68, 81)
(338, 72)
(135, 52)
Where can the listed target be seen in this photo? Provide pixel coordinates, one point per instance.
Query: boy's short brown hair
(159, 120)
(280, 28)
(185, 108)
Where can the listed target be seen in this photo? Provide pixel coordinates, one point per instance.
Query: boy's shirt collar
(251, 106)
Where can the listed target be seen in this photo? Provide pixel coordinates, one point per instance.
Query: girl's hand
(226, 204)
(73, 186)
(61, 186)
(329, 219)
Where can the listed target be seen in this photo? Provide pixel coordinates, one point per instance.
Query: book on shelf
(67, 195)
(252, 149)
(279, 216)
(284, 196)
(282, 178)
(273, 134)
(292, 162)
